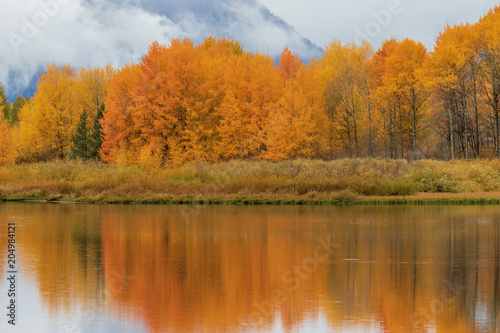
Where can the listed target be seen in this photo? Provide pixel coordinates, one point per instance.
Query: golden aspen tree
(260, 90)
(8, 152)
(400, 94)
(309, 81)
(346, 95)
(488, 29)
(53, 114)
(453, 77)
(404, 78)
(232, 130)
(386, 116)
(28, 142)
(93, 84)
(292, 131)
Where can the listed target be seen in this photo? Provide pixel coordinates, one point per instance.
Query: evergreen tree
(80, 140)
(15, 107)
(4, 104)
(95, 136)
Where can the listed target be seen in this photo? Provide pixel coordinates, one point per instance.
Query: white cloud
(99, 32)
(261, 34)
(325, 20)
(77, 32)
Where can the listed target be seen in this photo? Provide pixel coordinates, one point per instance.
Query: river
(97, 268)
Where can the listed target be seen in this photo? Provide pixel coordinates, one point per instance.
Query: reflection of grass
(240, 182)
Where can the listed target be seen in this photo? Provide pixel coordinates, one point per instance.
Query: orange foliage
(293, 131)
(221, 268)
(118, 127)
(214, 102)
(184, 102)
(289, 64)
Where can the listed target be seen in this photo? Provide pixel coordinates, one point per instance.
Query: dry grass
(341, 180)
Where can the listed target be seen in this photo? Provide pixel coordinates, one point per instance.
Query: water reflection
(269, 269)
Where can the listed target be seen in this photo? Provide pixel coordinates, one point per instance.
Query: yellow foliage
(47, 123)
(292, 131)
(8, 152)
(345, 80)
(150, 157)
(27, 136)
(93, 85)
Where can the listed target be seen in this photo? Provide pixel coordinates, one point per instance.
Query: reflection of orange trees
(219, 270)
(60, 251)
(223, 266)
(410, 276)
(211, 272)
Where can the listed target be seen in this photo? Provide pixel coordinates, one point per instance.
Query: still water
(89, 268)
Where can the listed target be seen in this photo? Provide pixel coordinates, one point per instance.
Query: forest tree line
(215, 101)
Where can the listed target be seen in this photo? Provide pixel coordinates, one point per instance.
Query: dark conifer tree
(95, 141)
(80, 140)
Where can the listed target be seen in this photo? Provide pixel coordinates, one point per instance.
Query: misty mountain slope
(99, 32)
(248, 21)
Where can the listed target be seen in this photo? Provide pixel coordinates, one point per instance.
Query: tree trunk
(401, 137)
(414, 125)
(370, 133)
(452, 137)
(495, 110)
(476, 114)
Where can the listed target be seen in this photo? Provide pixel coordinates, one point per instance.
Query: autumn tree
(400, 66)
(183, 100)
(8, 152)
(489, 52)
(293, 132)
(346, 92)
(454, 69)
(51, 118)
(92, 85)
(390, 134)
(289, 64)
(47, 123)
(118, 127)
(214, 101)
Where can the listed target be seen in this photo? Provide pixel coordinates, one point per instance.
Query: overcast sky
(324, 20)
(99, 32)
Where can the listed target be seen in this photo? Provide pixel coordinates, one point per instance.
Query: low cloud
(99, 32)
(81, 33)
(259, 30)
(325, 20)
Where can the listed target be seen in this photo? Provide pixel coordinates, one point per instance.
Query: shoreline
(344, 182)
(419, 199)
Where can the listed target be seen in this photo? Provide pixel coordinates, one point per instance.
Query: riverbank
(420, 199)
(304, 182)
